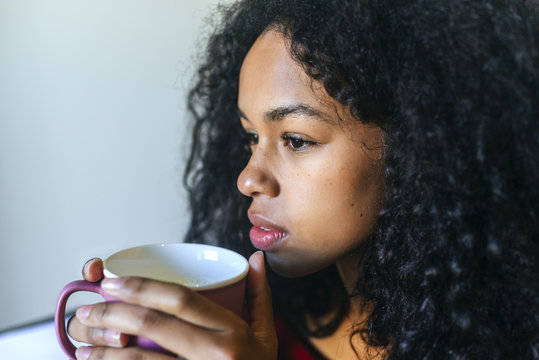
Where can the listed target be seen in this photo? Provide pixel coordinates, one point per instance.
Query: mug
(217, 273)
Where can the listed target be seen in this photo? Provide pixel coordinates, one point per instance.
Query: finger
(169, 332)
(259, 301)
(173, 299)
(95, 336)
(93, 270)
(104, 353)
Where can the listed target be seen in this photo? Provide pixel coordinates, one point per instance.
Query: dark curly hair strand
(451, 270)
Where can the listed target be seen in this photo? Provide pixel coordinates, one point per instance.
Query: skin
(160, 311)
(314, 174)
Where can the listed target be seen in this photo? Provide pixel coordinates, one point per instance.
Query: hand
(181, 320)
(93, 272)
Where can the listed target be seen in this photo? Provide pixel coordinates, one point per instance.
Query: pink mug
(217, 273)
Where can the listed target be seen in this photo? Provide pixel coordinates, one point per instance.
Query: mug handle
(59, 315)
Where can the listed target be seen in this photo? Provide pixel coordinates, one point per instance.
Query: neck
(338, 346)
(348, 271)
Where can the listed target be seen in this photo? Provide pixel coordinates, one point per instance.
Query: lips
(264, 234)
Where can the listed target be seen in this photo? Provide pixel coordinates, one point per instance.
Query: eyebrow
(300, 110)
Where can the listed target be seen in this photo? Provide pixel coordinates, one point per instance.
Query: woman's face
(315, 173)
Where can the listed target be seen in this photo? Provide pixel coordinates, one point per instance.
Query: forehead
(270, 76)
(268, 59)
(272, 82)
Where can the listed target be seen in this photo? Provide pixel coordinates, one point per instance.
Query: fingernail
(84, 312)
(83, 353)
(112, 284)
(112, 337)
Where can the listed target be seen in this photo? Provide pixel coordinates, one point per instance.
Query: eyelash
(290, 140)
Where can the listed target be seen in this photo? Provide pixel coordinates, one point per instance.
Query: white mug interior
(197, 266)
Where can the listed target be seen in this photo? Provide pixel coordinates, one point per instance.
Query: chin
(294, 268)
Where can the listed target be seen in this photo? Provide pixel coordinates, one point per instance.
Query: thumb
(93, 270)
(259, 301)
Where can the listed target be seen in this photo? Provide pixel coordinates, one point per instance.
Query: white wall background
(92, 137)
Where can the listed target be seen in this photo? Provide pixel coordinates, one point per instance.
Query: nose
(257, 177)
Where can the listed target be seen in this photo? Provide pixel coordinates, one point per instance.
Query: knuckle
(101, 311)
(230, 352)
(97, 353)
(235, 345)
(136, 285)
(243, 332)
(93, 335)
(149, 319)
(135, 354)
(182, 300)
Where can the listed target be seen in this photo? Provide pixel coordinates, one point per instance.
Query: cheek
(340, 203)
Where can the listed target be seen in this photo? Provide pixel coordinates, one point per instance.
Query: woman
(386, 155)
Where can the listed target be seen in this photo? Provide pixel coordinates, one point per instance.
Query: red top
(292, 346)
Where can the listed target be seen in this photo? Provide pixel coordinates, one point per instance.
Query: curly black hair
(451, 271)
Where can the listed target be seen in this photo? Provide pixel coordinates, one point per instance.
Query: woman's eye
(249, 140)
(252, 138)
(297, 143)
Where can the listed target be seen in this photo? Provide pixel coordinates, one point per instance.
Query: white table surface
(31, 342)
